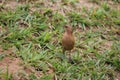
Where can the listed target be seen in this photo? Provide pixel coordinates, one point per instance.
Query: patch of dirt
(105, 46)
(117, 75)
(17, 68)
(11, 4)
(7, 52)
(87, 4)
(108, 44)
(59, 7)
(11, 63)
(56, 6)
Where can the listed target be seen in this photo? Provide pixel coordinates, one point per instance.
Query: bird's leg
(70, 56)
(64, 55)
(63, 51)
(70, 59)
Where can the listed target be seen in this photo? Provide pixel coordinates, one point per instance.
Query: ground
(30, 39)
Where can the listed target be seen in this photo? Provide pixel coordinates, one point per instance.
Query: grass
(36, 37)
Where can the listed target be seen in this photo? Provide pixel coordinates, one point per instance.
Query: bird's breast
(68, 42)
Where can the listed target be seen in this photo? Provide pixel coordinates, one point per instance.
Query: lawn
(31, 32)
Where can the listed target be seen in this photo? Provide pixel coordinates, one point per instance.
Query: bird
(68, 40)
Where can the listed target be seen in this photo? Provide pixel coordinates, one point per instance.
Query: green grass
(37, 44)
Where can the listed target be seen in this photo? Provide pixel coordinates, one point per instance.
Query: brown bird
(68, 40)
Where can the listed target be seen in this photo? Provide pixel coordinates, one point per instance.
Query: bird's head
(68, 29)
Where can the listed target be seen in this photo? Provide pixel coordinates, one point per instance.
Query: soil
(117, 75)
(11, 63)
(16, 67)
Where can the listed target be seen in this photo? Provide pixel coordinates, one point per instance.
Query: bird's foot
(71, 60)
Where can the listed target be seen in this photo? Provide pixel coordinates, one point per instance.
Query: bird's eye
(66, 26)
